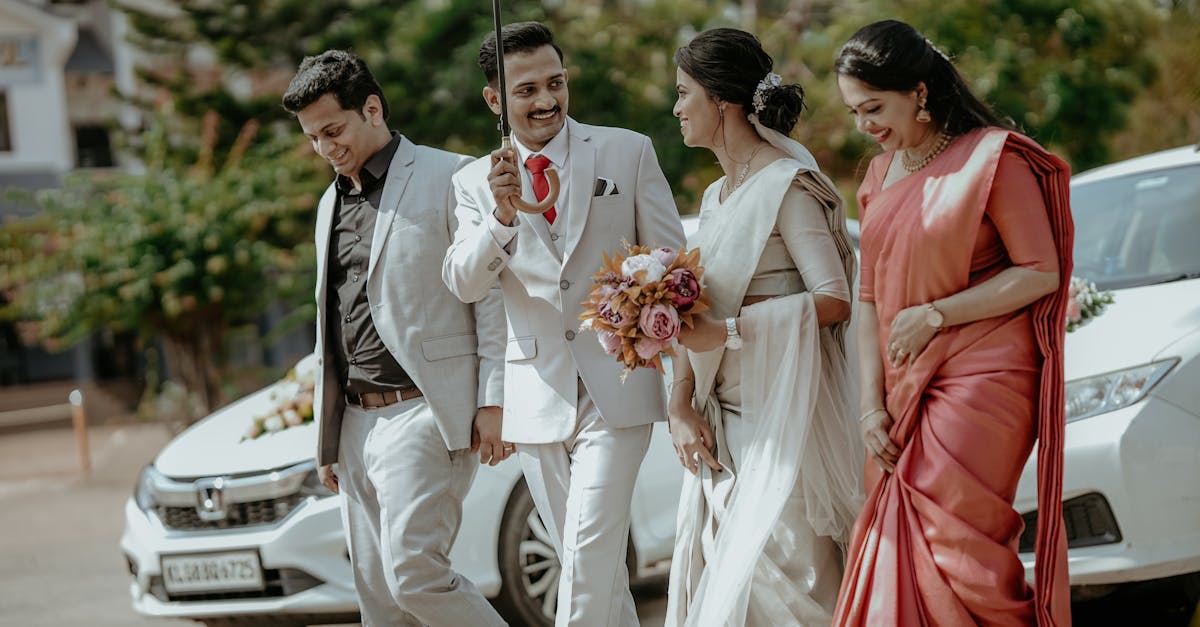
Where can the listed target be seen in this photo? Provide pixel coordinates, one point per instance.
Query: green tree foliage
(1065, 71)
(174, 253)
(1167, 113)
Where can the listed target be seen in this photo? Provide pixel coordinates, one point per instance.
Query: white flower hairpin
(769, 82)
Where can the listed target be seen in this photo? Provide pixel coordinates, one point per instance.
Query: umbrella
(505, 142)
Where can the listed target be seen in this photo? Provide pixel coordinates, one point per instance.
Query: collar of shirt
(555, 150)
(374, 170)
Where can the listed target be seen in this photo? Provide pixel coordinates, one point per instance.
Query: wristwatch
(933, 317)
(733, 341)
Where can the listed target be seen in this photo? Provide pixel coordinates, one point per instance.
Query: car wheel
(529, 568)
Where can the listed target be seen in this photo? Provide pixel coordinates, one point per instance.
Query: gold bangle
(682, 379)
(871, 412)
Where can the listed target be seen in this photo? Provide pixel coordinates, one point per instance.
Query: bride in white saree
(761, 402)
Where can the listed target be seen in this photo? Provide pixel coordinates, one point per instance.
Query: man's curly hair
(336, 72)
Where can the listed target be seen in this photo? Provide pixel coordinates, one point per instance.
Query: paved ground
(61, 565)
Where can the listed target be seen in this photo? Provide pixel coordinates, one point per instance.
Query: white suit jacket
(451, 350)
(547, 354)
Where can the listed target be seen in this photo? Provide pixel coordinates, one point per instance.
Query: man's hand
(328, 477)
(505, 181)
(485, 436)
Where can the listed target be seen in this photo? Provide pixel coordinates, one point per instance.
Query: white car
(242, 533)
(1131, 485)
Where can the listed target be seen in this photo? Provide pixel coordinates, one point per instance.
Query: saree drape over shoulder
(758, 542)
(936, 543)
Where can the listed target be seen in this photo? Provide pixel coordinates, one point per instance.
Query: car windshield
(1139, 229)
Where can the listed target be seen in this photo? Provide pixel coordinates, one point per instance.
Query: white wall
(41, 133)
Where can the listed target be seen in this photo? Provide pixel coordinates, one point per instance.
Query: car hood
(1141, 322)
(214, 446)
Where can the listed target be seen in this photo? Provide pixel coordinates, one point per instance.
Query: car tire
(529, 568)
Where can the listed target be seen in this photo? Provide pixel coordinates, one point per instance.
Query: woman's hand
(693, 439)
(707, 334)
(880, 447)
(909, 336)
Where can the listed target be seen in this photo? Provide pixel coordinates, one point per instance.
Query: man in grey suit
(411, 378)
(581, 431)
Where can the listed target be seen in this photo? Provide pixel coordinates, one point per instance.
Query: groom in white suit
(580, 432)
(410, 379)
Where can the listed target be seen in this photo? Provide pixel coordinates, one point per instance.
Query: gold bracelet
(871, 412)
(682, 379)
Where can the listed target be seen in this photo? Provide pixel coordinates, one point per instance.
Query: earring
(923, 115)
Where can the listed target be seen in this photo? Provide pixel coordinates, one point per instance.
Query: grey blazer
(453, 352)
(543, 290)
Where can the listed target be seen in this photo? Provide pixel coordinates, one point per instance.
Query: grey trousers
(402, 508)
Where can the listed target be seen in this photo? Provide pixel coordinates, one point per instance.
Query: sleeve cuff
(501, 234)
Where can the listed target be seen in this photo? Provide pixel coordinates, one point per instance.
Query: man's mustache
(556, 109)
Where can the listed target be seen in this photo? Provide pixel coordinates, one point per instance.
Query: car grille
(262, 512)
(1089, 522)
(277, 582)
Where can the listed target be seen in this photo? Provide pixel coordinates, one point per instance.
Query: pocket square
(604, 187)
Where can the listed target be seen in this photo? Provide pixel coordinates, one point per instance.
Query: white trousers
(402, 508)
(582, 489)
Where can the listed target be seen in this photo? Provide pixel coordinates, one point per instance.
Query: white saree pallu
(758, 543)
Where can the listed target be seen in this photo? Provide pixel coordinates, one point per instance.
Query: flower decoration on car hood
(291, 405)
(1085, 303)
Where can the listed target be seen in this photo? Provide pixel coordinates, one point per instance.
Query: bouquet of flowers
(1085, 303)
(291, 405)
(640, 302)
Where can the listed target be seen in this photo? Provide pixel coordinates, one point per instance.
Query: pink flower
(1074, 312)
(611, 342)
(613, 316)
(665, 256)
(647, 348)
(685, 289)
(659, 322)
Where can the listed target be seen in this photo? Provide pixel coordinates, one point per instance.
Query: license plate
(212, 572)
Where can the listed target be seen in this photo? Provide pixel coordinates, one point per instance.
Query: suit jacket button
(554, 237)
(494, 264)
(564, 284)
(570, 335)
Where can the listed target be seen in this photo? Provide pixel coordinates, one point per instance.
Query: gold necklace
(912, 165)
(745, 169)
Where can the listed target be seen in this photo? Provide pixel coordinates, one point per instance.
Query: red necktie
(537, 165)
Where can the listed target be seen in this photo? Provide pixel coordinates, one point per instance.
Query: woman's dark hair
(519, 37)
(336, 72)
(729, 63)
(892, 56)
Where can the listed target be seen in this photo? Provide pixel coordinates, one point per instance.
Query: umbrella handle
(525, 206)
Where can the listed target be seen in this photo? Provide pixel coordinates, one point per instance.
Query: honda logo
(210, 499)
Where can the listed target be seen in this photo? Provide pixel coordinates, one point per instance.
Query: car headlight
(1108, 392)
(143, 492)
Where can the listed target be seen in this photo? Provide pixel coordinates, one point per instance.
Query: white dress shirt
(556, 150)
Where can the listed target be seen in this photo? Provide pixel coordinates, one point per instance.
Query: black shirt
(363, 363)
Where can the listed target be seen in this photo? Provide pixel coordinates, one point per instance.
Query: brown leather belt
(375, 400)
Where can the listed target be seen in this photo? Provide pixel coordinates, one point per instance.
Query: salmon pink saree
(936, 543)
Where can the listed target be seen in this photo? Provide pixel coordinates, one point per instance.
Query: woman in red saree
(966, 258)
